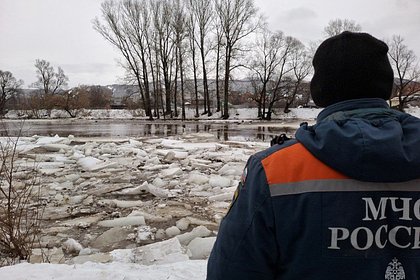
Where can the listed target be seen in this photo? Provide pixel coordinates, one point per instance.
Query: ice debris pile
(145, 201)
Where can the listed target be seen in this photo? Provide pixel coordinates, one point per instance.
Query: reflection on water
(134, 128)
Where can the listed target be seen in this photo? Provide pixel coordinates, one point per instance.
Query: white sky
(61, 32)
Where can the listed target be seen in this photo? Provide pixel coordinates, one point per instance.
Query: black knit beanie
(350, 66)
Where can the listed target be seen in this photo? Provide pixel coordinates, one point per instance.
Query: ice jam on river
(147, 207)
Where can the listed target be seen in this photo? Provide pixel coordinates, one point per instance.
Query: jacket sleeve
(246, 246)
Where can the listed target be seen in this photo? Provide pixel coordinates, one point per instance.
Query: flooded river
(248, 131)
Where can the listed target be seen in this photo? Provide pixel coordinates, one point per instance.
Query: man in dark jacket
(342, 201)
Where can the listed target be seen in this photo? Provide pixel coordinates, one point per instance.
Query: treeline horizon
(163, 43)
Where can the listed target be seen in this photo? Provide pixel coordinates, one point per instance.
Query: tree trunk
(176, 83)
(205, 84)
(263, 97)
(195, 83)
(181, 72)
(147, 104)
(290, 101)
(155, 90)
(167, 92)
(226, 87)
(259, 109)
(139, 84)
(217, 78)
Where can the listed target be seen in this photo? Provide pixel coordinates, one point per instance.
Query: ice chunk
(158, 192)
(198, 178)
(71, 246)
(171, 172)
(158, 182)
(172, 231)
(135, 143)
(49, 140)
(144, 233)
(121, 203)
(200, 231)
(94, 164)
(183, 224)
(125, 221)
(221, 197)
(168, 251)
(200, 248)
(219, 181)
(232, 168)
(56, 147)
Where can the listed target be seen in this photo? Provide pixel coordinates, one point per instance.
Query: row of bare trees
(278, 66)
(50, 93)
(173, 50)
(163, 42)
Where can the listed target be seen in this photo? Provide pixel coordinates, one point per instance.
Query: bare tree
(123, 27)
(266, 58)
(162, 12)
(301, 67)
(202, 16)
(74, 101)
(406, 67)
(282, 81)
(137, 20)
(337, 26)
(153, 60)
(237, 19)
(193, 50)
(218, 48)
(48, 80)
(21, 209)
(9, 87)
(50, 83)
(179, 23)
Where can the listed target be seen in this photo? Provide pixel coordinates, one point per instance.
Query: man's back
(342, 201)
(309, 221)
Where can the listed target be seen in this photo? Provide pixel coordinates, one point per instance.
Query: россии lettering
(364, 238)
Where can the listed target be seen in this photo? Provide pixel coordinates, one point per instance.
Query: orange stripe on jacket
(295, 164)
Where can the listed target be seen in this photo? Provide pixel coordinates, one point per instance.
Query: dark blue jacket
(342, 201)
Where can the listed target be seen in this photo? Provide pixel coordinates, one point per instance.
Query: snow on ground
(234, 114)
(186, 270)
(415, 111)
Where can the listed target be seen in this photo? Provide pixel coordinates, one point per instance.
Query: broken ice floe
(106, 194)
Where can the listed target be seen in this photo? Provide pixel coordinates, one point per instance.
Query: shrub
(20, 207)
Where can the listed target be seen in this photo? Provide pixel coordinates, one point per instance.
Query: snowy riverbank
(235, 114)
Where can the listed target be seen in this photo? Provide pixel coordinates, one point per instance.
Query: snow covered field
(145, 208)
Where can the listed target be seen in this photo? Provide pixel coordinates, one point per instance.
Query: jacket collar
(366, 105)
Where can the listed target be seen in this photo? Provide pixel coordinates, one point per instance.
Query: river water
(248, 131)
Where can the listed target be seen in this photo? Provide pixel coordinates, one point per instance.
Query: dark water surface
(249, 131)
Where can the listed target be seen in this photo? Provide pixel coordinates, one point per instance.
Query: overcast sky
(60, 31)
